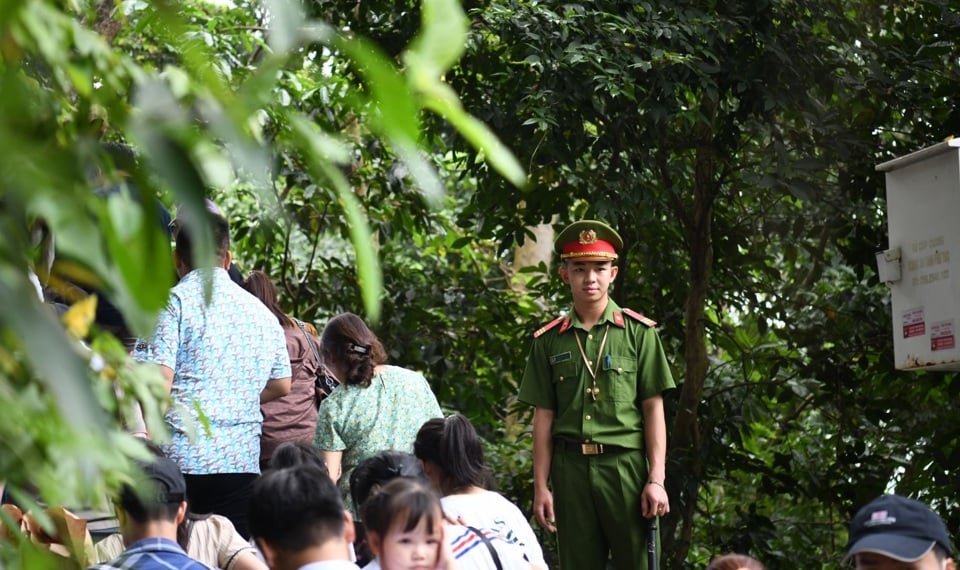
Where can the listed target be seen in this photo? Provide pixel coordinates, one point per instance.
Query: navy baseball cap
(897, 527)
(166, 481)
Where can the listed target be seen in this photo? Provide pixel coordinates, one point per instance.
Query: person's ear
(120, 515)
(614, 269)
(181, 512)
(269, 554)
(178, 263)
(375, 542)
(349, 530)
(227, 260)
(564, 274)
(432, 472)
(950, 565)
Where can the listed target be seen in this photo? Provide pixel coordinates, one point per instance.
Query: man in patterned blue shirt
(148, 515)
(224, 356)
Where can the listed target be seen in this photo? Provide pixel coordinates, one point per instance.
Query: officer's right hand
(543, 509)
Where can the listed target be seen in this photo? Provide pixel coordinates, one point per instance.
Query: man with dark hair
(894, 533)
(225, 354)
(148, 515)
(220, 234)
(298, 520)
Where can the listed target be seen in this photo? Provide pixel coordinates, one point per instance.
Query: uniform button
(589, 336)
(619, 369)
(587, 418)
(590, 363)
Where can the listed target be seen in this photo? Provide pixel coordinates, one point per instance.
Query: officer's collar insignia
(587, 237)
(618, 319)
(564, 326)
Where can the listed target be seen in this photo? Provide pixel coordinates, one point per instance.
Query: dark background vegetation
(732, 144)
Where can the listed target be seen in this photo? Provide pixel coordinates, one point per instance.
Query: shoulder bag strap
(306, 335)
(324, 383)
(489, 545)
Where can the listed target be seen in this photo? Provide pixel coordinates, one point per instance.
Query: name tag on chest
(562, 357)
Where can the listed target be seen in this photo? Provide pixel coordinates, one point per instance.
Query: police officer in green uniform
(595, 378)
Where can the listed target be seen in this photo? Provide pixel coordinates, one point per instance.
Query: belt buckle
(591, 448)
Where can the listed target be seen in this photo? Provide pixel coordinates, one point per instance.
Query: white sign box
(923, 220)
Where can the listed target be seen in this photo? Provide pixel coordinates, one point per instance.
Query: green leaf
(53, 358)
(421, 170)
(397, 114)
(132, 235)
(441, 41)
(175, 166)
(369, 274)
(314, 147)
(286, 17)
(442, 100)
(81, 78)
(462, 242)
(318, 142)
(257, 90)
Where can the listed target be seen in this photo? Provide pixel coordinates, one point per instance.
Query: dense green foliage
(732, 144)
(211, 98)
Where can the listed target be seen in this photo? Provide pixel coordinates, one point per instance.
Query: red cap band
(598, 248)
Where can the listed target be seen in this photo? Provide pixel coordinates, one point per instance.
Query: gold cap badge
(587, 237)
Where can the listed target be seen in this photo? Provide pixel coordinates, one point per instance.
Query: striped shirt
(152, 554)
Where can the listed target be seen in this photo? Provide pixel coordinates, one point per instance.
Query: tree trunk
(530, 254)
(106, 24)
(686, 438)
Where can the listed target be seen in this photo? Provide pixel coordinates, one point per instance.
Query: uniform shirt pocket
(565, 375)
(620, 375)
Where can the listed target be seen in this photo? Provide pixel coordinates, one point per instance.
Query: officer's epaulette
(547, 326)
(638, 317)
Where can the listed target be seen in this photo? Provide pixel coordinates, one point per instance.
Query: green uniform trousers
(597, 507)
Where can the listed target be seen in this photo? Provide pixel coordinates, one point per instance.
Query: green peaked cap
(588, 239)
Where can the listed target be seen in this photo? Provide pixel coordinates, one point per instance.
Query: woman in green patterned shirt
(376, 407)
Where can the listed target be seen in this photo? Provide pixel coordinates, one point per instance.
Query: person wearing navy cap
(896, 533)
(595, 377)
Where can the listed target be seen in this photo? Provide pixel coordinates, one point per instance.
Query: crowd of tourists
(293, 449)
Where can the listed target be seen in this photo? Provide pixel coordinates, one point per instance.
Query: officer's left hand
(654, 501)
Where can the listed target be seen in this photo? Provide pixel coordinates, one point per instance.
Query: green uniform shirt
(632, 368)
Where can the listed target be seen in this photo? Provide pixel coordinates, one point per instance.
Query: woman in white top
(452, 458)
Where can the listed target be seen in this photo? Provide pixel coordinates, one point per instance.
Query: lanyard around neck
(594, 391)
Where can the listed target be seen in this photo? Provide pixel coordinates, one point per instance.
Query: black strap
(313, 347)
(323, 382)
(486, 541)
(238, 553)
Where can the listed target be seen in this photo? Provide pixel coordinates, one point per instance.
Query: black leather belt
(588, 448)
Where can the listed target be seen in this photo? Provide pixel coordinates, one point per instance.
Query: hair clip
(358, 348)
